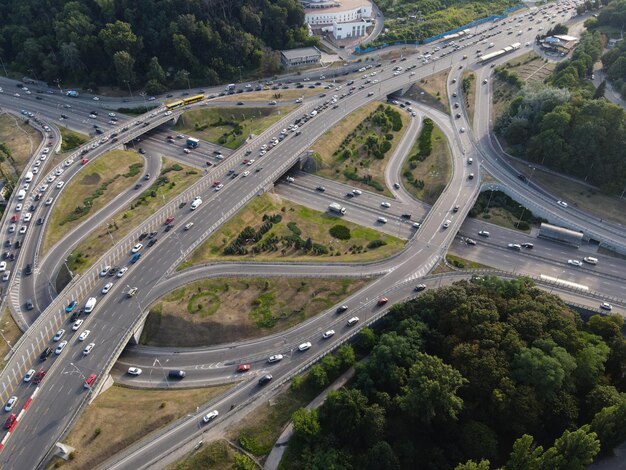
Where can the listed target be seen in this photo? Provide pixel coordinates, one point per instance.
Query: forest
(482, 374)
(152, 43)
(613, 61)
(567, 125)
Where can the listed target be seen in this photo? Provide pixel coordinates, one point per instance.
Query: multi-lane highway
(61, 395)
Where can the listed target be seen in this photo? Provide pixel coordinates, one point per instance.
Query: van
(29, 177)
(195, 204)
(21, 194)
(590, 260)
(91, 303)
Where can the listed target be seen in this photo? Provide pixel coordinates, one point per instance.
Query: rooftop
(301, 52)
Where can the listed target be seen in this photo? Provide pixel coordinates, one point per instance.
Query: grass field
(361, 168)
(11, 333)
(109, 175)
(99, 432)
(230, 127)
(501, 217)
(21, 140)
(217, 455)
(71, 140)
(224, 310)
(295, 218)
(268, 95)
(167, 186)
(436, 86)
(433, 173)
(462, 263)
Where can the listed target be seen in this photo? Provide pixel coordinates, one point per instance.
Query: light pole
(145, 104)
(5, 69)
(187, 78)
(68, 269)
(520, 217)
(58, 82)
(557, 280)
(129, 90)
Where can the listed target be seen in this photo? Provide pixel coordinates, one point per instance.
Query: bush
(341, 232)
(376, 243)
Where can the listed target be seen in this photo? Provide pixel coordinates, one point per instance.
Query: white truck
(196, 203)
(28, 177)
(91, 303)
(337, 208)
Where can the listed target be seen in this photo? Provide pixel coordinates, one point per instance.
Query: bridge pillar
(134, 339)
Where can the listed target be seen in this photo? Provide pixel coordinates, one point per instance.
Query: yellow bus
(192, 99)
(174, 104)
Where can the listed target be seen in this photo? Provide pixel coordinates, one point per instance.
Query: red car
(216, 183)
(14, 218)
(245, 162)
(90, 381)
(243, 368)
(10, 420)
(39, 376)
(84, 161)
(383, 301)
(169, 220)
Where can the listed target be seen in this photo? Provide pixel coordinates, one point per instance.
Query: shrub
(341, 232)
(376, 243)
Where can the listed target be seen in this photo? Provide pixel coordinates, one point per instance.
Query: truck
(230, 87)
(91, 303)
(72, 94)
(192, 142)
(337, 208)
(195, 204)
(28, 177)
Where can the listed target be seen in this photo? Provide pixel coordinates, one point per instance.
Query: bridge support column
(134, 339)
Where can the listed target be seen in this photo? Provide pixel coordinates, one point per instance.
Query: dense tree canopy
(477, 374)
(97, 42)
(566, 125)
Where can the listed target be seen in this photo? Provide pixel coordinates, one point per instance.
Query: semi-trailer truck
(337, 208)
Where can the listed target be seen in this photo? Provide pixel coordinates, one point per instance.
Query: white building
(301, 57)
(328, 12)
(350, 29)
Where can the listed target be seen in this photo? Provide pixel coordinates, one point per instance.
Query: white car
(275, 358)
(606, 306)
(352, 321)
(250, 162)
(245, 173)
(60, 347)
(18, 207)
(385, 204)
(6, 275)
(10, 404)
(3, 266)
(574, 262)
(22, 229)
(304, 346)
(562, 203)
(83, 335)
(60, 184)
(112, 114)
(137, 247)
(328, 334)
(188, 226)
(88, 349)
(219, 186)
(357, 192)
(134, 371)
(381, 220)
(29, 375)
(462, 130)
(290, 179)
(107, 288)
(59, 335)
(95, 98)
(51, 178)
(447, 223)
(105, 271)
(77, 324)
(211, 416)
(121, 272)
(58, 171)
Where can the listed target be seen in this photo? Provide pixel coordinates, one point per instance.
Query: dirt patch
(97, 435)
(93, 178)
(287, 239)
(224, 310)
(432, 91)
(21, 140)
(356, 150)
(11, 333)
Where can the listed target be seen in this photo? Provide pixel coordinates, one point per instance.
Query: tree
(155, 71)
(525, 455)
(305, 424)
(381, 457)
(599, 93)
(124, 67)
(572, 451)
(610, 426)
(431, 390)
(536, 367)
(117, 37)
(471, 465)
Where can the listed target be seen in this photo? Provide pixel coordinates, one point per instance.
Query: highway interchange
(61, 396)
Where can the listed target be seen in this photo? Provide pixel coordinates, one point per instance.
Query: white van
(91, 303)
(21, 194)
(590, 260)
(196, 203)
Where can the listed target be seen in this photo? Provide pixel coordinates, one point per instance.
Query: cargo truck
(336, 207)
(192, 142)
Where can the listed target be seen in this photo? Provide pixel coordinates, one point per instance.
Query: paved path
(273, 460)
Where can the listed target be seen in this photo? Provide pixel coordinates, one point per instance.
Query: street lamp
(129, 90)
(58, 82)
(68, 269)
(5, 69)
(145, 104)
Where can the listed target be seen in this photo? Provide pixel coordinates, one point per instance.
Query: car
(483, 233)
(245, 173)
(3, 266)
(90, 381)
(342, 309)
(83, 335)
(514, 246)
(169, 220)
(152, 242)
(527, 245)
(60, 347)
(219, 186)
(10, 421)
(189, 225)
(40, 221)
(132, 291)
(88, 348)
(562, 203)
(45, 353)
(321, 189)
(385, 204)
(243, 367)
(134, 371)
(137, 247)
(121, 272)
(275, 358)
(327, 334)
(49, 201)
(105, 271)
(382, 301)
(60, 184)
(22, 230)
(574, 262)
(447, 223)
(210, 416)
(107, 288)
(136, 256)
(290, 179)
(304, 346)
(58, 335)
(381, 220)
(71, 306)
(352, 321)
(29, 304)
(29, 375)
(470, 176)
(11, 403)
(606, 306)
(357, 192)
(265, 379)
(77, 325)
(419, 287)
(455, 209)
(469, 241)
(462, 130)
